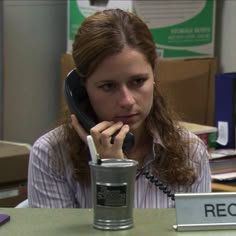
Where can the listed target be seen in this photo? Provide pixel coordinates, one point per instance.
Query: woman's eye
(107, 87)
(139, 82)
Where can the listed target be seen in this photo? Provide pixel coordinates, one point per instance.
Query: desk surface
(218, 187)
(38, 222)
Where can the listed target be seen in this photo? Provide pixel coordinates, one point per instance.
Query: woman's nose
(126, 97)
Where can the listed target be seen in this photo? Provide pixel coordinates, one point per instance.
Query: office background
(32, 40)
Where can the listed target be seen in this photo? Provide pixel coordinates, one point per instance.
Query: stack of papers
(223, 164)
(224, 176)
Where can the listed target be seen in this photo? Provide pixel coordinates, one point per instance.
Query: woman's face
(121, 88)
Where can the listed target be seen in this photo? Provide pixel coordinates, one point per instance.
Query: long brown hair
(106, 33)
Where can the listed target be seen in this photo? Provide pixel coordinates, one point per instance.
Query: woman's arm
(200, 157)
(47, 181)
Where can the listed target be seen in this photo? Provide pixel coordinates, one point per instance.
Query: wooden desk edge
(216, 187)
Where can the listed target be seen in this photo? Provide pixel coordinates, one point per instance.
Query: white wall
(34, 40)
(1, 72)
(226, 35)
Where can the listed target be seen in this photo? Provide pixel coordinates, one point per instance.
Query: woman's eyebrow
(137, 76)
(104, 81)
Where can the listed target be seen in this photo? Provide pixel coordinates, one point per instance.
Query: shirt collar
(157, 139)
(152, 155)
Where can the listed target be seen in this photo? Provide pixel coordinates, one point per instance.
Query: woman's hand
(102, 137)
(108, 146)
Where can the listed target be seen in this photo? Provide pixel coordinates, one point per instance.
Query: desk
(14, 159)
(218, 187)
(50, 222)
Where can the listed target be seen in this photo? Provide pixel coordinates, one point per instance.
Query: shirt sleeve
(200, 157)
(47, 180)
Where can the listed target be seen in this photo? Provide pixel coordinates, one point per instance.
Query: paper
(220, 153)
(223, 135)
(224, 176)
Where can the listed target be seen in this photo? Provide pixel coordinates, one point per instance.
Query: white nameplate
(205, 211)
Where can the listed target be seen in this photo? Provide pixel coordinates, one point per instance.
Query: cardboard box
(188, 85)
(14, 158)
(181, 29)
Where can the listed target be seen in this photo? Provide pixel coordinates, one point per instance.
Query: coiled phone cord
(159, 184)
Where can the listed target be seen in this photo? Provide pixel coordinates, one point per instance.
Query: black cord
(158, 184)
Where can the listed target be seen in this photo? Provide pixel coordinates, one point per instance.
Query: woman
(115, 58)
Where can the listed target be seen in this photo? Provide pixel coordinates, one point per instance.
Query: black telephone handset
(75, 92)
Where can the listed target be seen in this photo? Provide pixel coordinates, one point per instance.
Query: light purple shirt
(51, 184)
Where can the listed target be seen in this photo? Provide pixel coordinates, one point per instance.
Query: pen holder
(113, 193)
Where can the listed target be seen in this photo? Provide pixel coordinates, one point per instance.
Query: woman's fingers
(96, 132)
(107, 135)
(102, 133)
(108, 138)
(119, 138)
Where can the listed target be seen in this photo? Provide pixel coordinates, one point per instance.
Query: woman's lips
(126, 118)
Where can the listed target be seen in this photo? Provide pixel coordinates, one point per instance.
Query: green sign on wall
(180, 28)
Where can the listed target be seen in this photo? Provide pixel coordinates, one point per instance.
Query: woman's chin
(135, 128)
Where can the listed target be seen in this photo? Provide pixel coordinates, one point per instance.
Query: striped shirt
(51, 183)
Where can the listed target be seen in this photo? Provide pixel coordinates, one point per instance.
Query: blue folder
(225, 104)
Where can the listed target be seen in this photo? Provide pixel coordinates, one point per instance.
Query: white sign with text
(199, 211)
